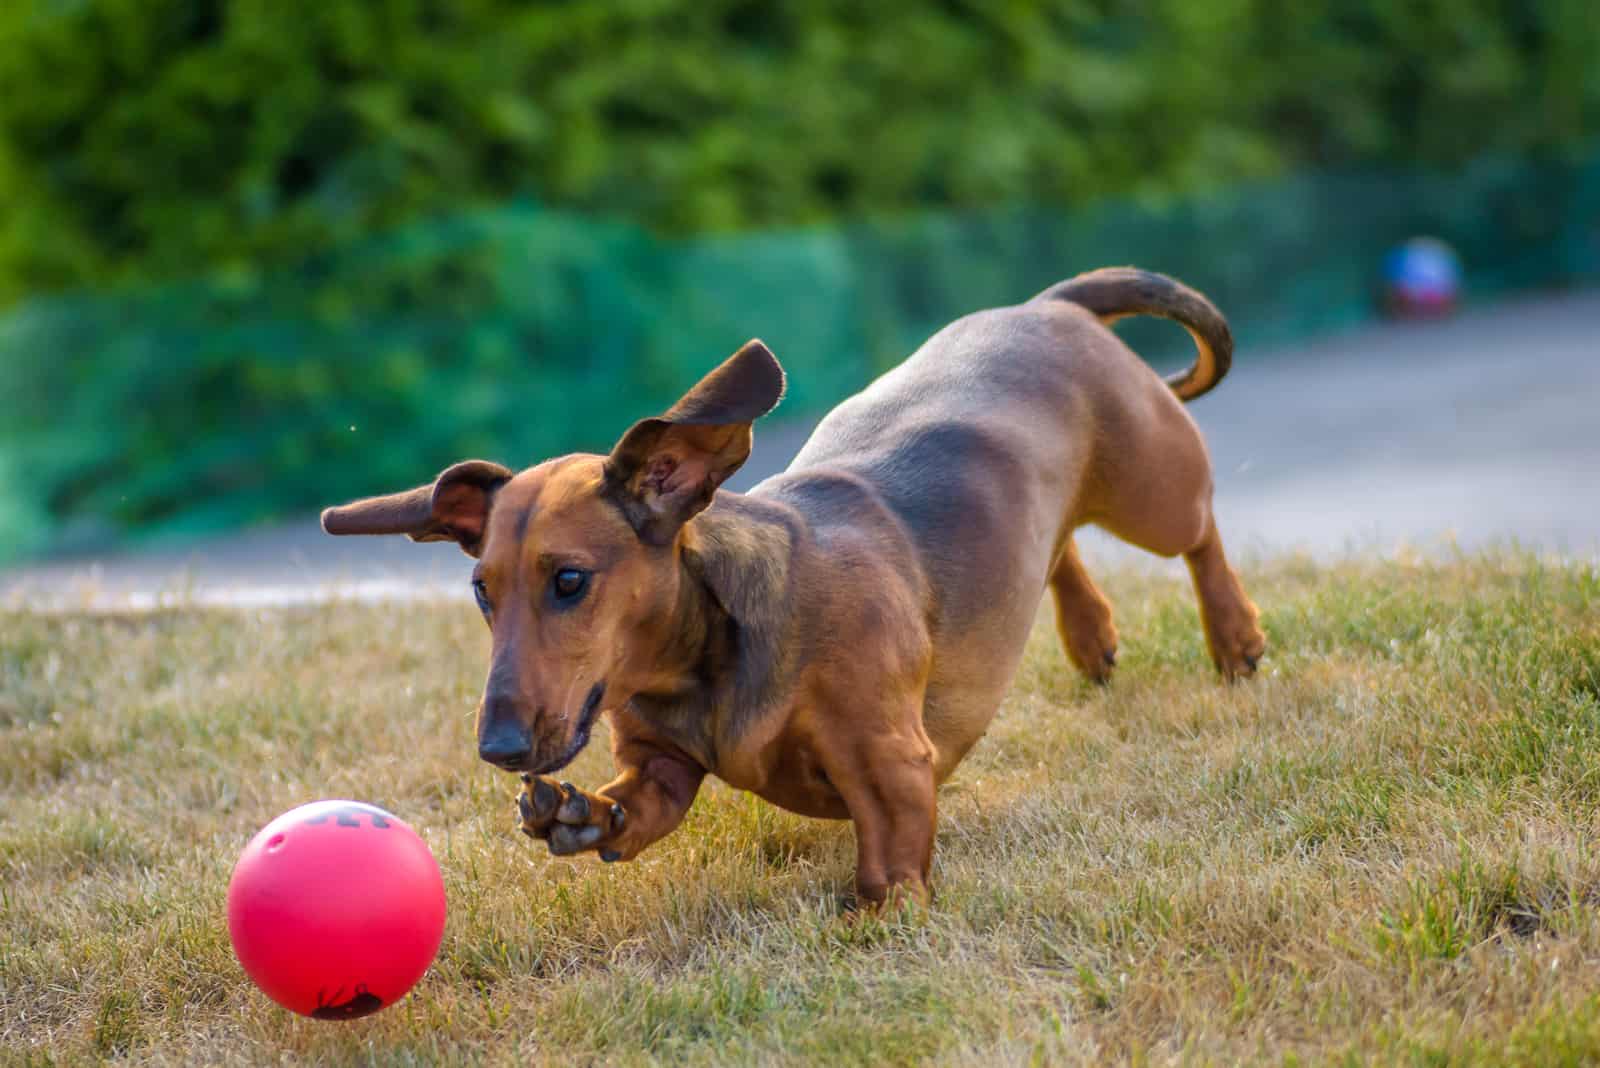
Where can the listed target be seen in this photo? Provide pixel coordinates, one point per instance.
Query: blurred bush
(160, 138)
(520, 333)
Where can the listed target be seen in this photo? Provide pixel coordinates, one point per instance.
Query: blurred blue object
(1421, 278)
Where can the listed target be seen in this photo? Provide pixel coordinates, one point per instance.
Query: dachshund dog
(838, 638)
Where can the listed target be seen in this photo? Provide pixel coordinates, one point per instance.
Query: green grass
(1379, 850)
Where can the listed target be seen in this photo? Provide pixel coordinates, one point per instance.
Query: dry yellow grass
(1381, 850)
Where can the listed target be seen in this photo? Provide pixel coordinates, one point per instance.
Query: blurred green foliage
(298, 278)
(520, 333)
(160, 138)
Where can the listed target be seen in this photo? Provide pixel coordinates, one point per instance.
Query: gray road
(1481, 429)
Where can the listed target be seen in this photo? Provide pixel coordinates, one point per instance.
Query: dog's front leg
(644, 802)
(887, 784)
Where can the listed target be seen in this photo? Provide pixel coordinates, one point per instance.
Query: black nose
(505, 745)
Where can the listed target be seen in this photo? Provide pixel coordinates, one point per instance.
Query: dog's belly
(817, 801)
(970, 676)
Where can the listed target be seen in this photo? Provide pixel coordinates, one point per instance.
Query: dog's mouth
(580, 737)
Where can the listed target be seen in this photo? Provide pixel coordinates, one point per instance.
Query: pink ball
(336, 909)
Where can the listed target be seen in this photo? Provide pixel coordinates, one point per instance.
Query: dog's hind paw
(1088, 637)
(1238, 651)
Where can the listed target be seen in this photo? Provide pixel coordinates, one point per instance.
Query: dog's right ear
(455, 507)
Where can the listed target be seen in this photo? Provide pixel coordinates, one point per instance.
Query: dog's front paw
(567, 819)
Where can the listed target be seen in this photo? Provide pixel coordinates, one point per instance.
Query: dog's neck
(729, 627)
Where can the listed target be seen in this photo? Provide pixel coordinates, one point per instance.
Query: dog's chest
(784, 766)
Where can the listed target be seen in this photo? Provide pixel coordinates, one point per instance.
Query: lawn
(1382, 849)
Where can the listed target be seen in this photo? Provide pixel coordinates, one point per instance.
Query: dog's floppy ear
(455, 507)
(666, 469)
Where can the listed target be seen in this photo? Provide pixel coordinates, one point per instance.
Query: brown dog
(838, 638)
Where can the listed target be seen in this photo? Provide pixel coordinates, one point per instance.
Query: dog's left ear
(666, 470)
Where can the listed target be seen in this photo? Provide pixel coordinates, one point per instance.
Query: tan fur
(838, 639)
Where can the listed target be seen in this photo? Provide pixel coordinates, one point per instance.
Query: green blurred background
(260, 255)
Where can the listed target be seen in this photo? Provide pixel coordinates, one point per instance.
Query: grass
(1380, 850)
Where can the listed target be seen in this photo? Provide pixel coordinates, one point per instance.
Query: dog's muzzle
(505, 742)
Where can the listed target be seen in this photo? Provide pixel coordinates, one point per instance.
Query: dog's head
(579, 562)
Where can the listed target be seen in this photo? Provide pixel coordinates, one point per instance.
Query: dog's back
(987, 446)
(965, 443)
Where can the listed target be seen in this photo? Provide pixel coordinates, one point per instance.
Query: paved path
(1484, 428)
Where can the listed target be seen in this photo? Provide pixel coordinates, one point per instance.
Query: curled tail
(1113, 292)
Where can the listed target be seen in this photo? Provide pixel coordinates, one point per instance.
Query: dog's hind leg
(1157, 495)
(1228, 616)
(1083, 616)
(1232, 631)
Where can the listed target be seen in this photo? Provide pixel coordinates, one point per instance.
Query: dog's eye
(569, 585)
(481, 592)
